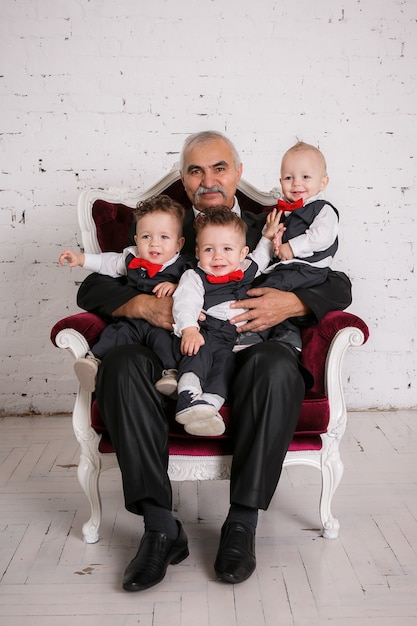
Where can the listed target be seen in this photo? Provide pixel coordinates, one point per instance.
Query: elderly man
(267, 393)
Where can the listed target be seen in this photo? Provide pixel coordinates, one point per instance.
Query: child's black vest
(297, 222)
(223, 292)
(140, 280)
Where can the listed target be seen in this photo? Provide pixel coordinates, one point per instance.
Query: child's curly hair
(161, 204)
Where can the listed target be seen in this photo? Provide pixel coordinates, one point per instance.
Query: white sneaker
(167, 385)
(86, 370)
(191, 408)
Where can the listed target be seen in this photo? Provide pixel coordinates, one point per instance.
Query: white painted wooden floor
(368, 577)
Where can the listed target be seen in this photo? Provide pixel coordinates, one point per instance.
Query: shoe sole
(211, 427)
(86, 372)
(195, 413)
(166, 387)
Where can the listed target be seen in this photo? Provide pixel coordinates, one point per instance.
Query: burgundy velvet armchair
(105, 217)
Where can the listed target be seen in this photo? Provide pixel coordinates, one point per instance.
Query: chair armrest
(72, 340)
(318, 339)
(83, 329)
(345, 338)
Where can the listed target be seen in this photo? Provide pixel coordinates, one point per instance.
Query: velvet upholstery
(314, 416)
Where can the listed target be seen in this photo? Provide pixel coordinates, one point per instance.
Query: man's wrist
(300, 309)
(132, 308)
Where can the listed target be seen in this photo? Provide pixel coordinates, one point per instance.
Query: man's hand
(267, 307)
(191, 340)
(156, 311)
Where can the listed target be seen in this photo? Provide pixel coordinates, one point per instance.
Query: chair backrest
(105, 217)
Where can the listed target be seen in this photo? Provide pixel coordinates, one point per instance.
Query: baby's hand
(272, 224)
(73, 259)
(191, 340)
(164, 289)
(277, 239)
(285, 252)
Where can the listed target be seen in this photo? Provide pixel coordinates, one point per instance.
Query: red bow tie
(283, 205)
(151, 268)
(237, 276)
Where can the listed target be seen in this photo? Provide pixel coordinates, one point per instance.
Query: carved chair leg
(331, 474)
(88, 476)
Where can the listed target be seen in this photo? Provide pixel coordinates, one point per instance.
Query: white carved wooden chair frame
(327, 460)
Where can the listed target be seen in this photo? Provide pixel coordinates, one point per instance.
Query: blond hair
(301, 146)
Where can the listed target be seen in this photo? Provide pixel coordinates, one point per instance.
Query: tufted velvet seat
(105, 218)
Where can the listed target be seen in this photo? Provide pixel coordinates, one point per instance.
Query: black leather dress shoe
(155, 553)
(235, 560)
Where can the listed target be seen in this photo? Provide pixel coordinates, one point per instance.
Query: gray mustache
(217, 188)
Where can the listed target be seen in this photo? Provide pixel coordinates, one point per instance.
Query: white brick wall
(99, 92)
